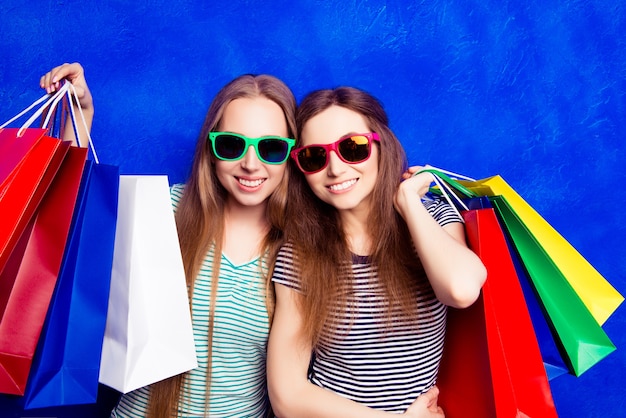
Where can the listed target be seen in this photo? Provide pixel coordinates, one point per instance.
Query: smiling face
(347, 187)
(248, 181)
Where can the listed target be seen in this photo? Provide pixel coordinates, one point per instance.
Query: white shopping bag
(148, 334)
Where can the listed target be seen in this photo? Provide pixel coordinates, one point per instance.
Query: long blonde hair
(324, 252)
(200, 216)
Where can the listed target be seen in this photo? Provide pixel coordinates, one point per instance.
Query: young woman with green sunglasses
(230, 217)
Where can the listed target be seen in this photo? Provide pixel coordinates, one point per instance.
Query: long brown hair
(200, 216)
(325, 252)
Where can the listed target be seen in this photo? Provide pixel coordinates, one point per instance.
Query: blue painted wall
(534, 91)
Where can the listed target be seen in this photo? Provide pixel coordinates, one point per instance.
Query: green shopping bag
(583, 340)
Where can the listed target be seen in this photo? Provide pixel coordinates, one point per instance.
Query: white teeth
(342, 186)
(251, 183)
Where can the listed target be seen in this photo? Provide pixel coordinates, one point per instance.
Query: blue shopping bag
(66, 365)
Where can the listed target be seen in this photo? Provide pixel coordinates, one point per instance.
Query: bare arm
(74, 74)
(288, 356)
(291, 394)
(454, 271)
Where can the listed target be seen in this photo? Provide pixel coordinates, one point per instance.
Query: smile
(342, 186)
(250, 183)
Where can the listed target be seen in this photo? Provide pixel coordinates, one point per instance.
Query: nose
(250, 160)
(336, 166)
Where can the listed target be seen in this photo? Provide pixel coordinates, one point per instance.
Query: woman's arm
(288, 357)
(454, 271)
(74, 74)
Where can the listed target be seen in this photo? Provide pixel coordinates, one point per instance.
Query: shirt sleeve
(441, 211)
(286, 269)
(176, 193)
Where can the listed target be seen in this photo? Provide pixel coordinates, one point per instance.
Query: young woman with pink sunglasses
(363, 282)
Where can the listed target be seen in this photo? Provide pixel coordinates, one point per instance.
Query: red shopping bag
(14, 149)
(25, 181)
(464, 379)
(31, 270)
(513, 382)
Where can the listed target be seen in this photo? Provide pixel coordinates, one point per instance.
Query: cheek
(277, 171)
(313, 180)
(223, 170)
(372, 165)
(220, 166)
(316, 184)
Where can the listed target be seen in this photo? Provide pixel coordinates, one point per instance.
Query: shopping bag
(581, 337)
(29, 159)
(506, 378)
(144, 342)
(550, 352)
(25, 183)
(36, 202)
(14, 149)
(31, 272)
(582, 342)
(66, 366)
(519, 379)
(464, 377)
(16, 144)
(597, 294)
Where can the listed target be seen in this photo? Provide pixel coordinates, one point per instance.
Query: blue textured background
(533, 90)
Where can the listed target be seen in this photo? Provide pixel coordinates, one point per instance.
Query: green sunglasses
(230, 146)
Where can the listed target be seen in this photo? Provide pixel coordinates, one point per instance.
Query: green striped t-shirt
(241, 327)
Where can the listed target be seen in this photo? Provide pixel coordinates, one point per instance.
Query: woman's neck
(245, 228)
(357, 233)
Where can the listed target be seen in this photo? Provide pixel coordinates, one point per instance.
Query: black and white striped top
(384, 366)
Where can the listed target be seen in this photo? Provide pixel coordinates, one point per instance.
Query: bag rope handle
(452, 183)
(52, 98)
(448, 187)
(82, 117)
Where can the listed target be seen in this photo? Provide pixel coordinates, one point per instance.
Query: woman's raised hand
(73, 73)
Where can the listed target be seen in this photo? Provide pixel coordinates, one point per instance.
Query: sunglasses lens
(273, 150)
(229, 147)
(355, 148)
(312, 159)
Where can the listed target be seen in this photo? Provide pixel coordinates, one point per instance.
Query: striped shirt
(241, 327)
(369, 360)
